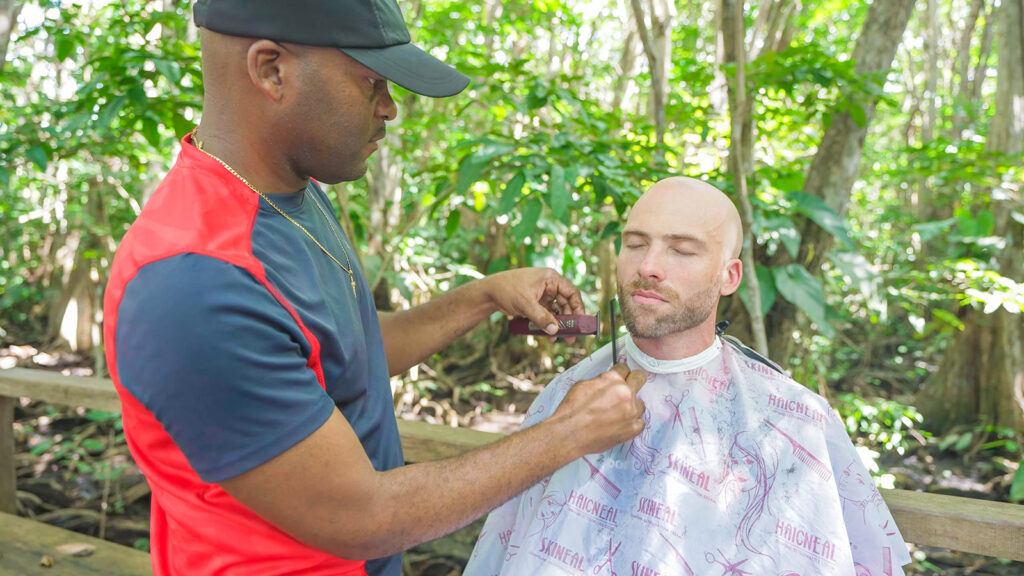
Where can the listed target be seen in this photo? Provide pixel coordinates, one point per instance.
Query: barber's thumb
(621, 369)
(636, 379)
(541, 317)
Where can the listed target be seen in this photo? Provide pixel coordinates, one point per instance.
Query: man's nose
(653, 265)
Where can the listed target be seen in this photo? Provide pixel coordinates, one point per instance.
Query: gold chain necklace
(348, 269)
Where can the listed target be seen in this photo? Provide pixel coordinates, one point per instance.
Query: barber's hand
(537, 293)
(604, 412)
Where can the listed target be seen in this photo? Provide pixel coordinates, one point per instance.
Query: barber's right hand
(604, 412)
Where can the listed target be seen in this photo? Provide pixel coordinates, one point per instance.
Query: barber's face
(341, 109)
(669, 267)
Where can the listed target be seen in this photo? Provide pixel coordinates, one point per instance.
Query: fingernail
(551, 328)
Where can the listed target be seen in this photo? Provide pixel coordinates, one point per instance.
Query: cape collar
(654, 366)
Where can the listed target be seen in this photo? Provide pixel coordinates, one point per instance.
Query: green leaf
(168, 69)
(857, 114)
(5, 177)
(964, 442)
(558, 195)
(42, 447)
(472, 166)
(513, 191)
(786, 230)
(111, 111)
(823, 215)
(93, 445)
(528, 223)
(181, 125)
(986, 223)
(766, 286)
(929, 230)
(613, 228)
(804, 291)
(137, 94)
(1017, 486)
(150, 131)
(452, 225)
(38, 156)
(63, 45)
(101, 416)
(948, 318)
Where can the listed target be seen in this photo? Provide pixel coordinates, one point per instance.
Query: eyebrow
(669, 237)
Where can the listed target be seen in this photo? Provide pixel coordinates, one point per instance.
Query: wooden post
(8, 480)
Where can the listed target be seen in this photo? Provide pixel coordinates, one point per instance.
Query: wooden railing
(951, 522)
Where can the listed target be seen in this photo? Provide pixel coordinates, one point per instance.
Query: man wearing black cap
(251, 365)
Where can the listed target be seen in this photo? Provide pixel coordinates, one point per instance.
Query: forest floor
(74, 471)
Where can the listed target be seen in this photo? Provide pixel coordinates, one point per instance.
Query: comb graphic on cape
(603, 481)
(804, 455)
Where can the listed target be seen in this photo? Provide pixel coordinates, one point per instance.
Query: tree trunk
(9, 10)
(657, 43)
(963, 55)
(834, 168)
(739, 165)
(385, 203)
(981, 379)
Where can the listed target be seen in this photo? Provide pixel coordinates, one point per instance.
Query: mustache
(652, 287)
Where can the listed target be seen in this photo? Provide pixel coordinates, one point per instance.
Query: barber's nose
(386, 106)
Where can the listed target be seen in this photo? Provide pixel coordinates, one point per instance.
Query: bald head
(694, 205)
(678, 258)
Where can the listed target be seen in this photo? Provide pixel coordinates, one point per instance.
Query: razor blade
(568, 325)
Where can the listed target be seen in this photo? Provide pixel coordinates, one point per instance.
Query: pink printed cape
(740, 472)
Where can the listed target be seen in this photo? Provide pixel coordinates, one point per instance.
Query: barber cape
(739, 471)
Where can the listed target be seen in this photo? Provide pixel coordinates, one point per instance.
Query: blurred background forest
(876, 151)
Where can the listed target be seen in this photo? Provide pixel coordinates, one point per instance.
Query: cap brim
(411, 68)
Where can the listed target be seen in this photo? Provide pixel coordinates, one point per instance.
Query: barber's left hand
(537, 293)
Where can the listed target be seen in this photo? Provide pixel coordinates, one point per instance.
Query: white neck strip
(654, 366)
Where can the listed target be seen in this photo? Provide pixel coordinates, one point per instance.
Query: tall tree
(8, 17)
(656, 38)
(836, 163)
(981, 378)
(733, 33)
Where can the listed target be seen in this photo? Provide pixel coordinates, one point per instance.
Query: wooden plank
(8, 478)
(423, 442)
(24, 543)
(958, 523)
(55, 388)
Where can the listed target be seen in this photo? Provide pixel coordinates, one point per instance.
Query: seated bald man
(739, 471)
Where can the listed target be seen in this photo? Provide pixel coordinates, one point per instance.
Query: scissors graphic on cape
(608, 559)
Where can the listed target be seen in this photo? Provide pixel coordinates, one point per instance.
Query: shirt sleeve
(219, 362)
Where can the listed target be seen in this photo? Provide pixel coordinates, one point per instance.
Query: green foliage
(84, 129)
(885, 424)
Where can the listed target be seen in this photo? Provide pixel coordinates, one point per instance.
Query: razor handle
(568, 325)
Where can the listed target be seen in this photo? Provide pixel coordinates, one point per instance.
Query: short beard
(685, 315)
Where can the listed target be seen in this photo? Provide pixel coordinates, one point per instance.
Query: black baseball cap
(372, 32)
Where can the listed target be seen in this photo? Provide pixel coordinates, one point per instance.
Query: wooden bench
(955, 523)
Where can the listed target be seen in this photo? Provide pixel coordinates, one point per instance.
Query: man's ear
(264, 61)
(732, 273)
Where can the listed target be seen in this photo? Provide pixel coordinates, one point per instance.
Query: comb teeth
(804, 455)
(603, 481)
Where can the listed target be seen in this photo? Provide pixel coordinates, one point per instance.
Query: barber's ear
(265, 65)
(732, 273)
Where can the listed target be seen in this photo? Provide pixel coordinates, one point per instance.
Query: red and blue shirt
(231, 337)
